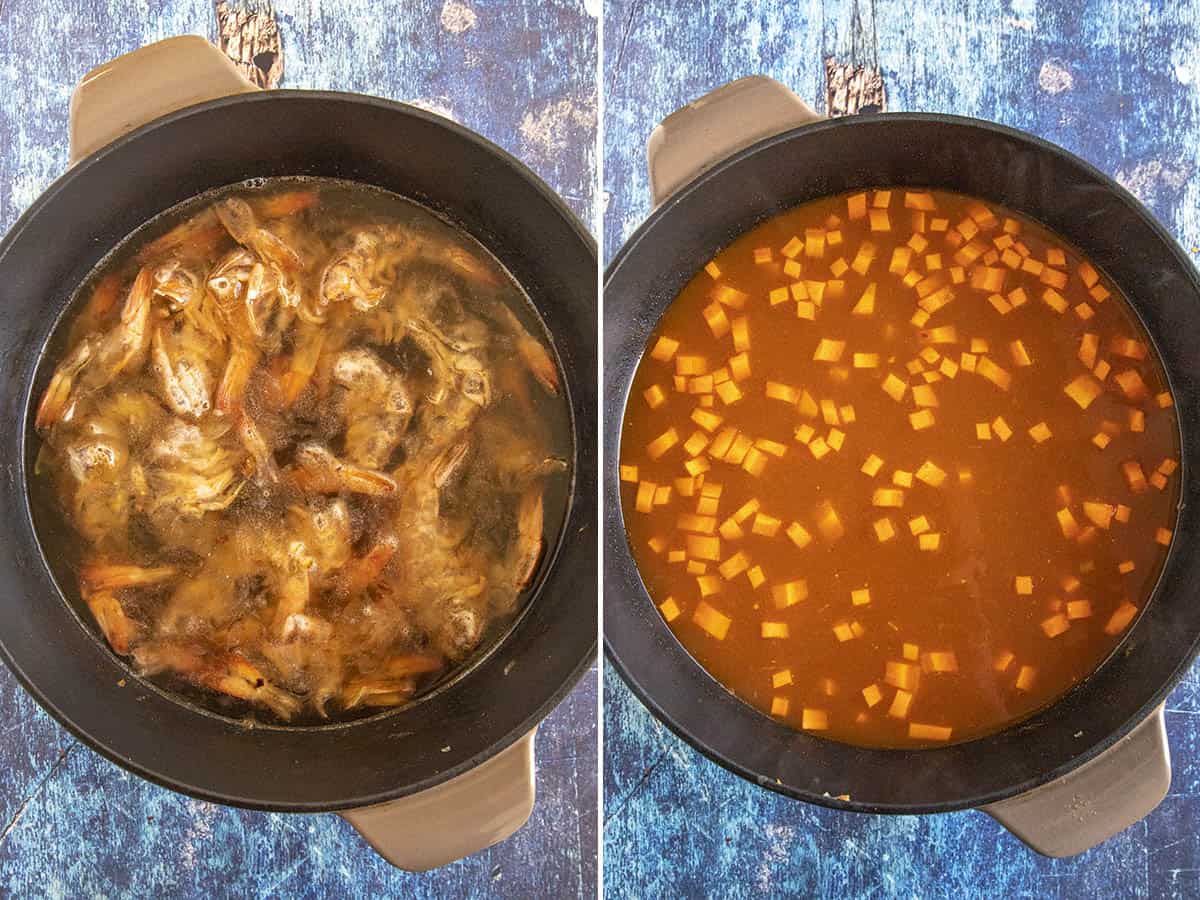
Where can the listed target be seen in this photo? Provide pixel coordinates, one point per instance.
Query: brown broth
(888, 636)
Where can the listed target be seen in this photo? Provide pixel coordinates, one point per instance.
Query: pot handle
(149, 82)
(454, 819)
(1102, 797)
(696, 137)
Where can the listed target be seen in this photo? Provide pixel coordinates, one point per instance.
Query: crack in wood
(851, 88)
(249, 35)
(37, 789)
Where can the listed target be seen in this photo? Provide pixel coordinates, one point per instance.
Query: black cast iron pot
(55, 650)
(1048, 778)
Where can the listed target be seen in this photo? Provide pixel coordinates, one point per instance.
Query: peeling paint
(458, 17)
(1054, 78)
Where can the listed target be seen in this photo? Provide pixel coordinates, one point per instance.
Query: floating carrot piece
(900, 704)
(664, 349)
(712, 620)
(829, 350)
(814, 719)
(921, 420)
(1023, 584)
(789, 593)
(871, 466)
(1120, 618)
(661, 444)
(1134, 476)
(1025, 678)
(884, 530)
(922, 732)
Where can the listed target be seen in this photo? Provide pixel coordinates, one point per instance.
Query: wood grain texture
(520, 72)
(1118, 84)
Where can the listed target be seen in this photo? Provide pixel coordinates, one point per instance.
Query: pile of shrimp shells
(308, 453)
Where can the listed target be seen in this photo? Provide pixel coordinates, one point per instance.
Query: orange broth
(899, 467)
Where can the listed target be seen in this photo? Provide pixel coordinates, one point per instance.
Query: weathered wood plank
(1115, 83)
(71, 824)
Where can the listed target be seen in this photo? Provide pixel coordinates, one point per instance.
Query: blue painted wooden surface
(1118, 84)
(74, 825)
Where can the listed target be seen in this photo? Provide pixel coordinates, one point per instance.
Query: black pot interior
(970, 157)
(57, 655)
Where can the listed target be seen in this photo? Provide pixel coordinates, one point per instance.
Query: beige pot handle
(157, 79)
(1096, 801)
(695, 138)
(456, 818)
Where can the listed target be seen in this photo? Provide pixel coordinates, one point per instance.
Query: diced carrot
(1099, 514)
(866, 360)
(782, 678)
(712, 620)
(779, 706)
(1023, 585)
(921, 732)
(1121, 618)
(929, 541)
(703, 547)
(690, 364)
(879, 220)
(828, 523)
(755, 462)
(1122, 513)
(799, 535)
(846, 411)
(921, 420)
(713, 269)
(1164, 400)
(767, 526)
(887, 497)
(1099, 293)
(664, 349)
(629, 473)
(902, 478)
(662, 495)
(983, 431)
(931, 474)
(924, 396)
(1101, 440)
(734, 566)
(756, 576)
(772, 447)
(814, 719)
(1087, 274)
(1125, 567)
(774, 630)
(829, 350)
(739, 367)
(707, 420)
(1001, 428)
(1055, 625)
(968, 361)
(807, 406)
(778, 295)
(697, 466)
(843, 632)
(1162, 536)
(900, 704)
(871, 466)
(708, 584)
(789, 593)
(804, 434)
(1050, 296)
(1134, 476)
(1168, 466)
(1067, 523)
(856, 206)
(1020, 354)
(1040, 432)
(1079, 609)
(839, 266)
(918, 525)
(1003, 661)
(644, 502)
(1025, 678)
(661, 444)
(884, 530)
(730, 296)
(836, 438)
(1131, 384)
(872, 694)
(730, 530)
(778, 391)
(860, 596)
(993, 373)
(894, 387)
(818, 447)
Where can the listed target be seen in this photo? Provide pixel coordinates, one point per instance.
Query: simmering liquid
(308, 442)
(899, 467)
